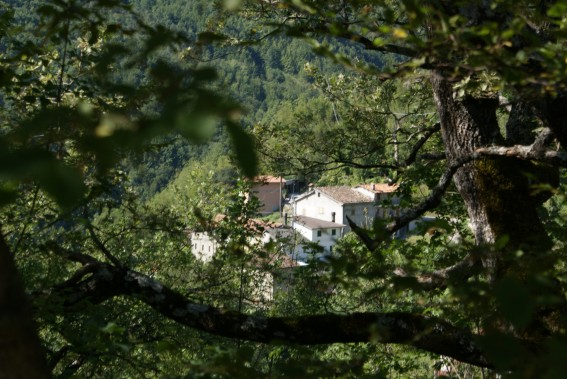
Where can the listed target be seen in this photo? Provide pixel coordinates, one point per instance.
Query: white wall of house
(203, 246)
(324, 236)
(320, 206)
(361, 213)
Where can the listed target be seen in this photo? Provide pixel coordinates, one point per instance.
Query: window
(318, 194)
(318, 233)
(334, 232)
(352, 212)
(331, 248)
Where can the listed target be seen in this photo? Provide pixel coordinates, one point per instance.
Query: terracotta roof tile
(380, 187)
(268, 179)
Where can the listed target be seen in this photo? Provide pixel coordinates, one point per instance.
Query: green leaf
(232, 5)
(559, 9)
(63, 183)
(501, 242)
(515, 301)
(196, 126)
(206, 38)
(504, 350)
(112, 328)
(243, 146)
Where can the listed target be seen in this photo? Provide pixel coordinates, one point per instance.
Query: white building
(270, 269)
(361, 204)
(203, 246)
(324, 233)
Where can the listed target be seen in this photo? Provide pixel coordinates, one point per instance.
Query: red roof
(268, 179)
(380, 187)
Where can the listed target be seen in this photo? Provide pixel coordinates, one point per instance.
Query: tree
(67, 122)
(506, 287)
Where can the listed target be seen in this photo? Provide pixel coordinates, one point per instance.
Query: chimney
(333, 214)
(373, 187)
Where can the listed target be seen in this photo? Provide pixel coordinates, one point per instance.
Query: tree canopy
(461, 103)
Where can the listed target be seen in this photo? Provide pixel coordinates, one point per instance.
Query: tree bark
(495, 190)
(21, 354)
(98, 282)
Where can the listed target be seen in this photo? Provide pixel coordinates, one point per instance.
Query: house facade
(268, 190)
(313, 230)
(203, 246)
(361, 204)
(267, 274)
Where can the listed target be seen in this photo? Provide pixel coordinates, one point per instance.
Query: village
(312, 222)
(318, 215)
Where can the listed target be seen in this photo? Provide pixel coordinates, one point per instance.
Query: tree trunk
(21, 354)
(496, 191)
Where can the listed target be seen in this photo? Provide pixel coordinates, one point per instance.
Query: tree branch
(409, 215)
(529, 152)
(534, 152)
(426, 333)
(370, 45)
(428, 133)
(100, 245)
(440, 279)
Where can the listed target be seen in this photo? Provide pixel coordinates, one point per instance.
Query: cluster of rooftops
(317, 216)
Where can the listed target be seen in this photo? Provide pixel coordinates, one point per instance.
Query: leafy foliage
(104, 102)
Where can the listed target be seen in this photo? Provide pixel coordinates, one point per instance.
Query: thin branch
(433, 156)
(63, 62)
(28, 220)
(370, 45)
(440, 279)
(526, 152)
(102, 247)
(428, 133)
(409, 215)
(433, 200)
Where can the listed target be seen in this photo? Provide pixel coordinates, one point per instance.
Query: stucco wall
(269, 195)
(320, 206)
(203, 246)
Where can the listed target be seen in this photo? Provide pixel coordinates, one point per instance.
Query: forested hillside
(267, 78)
(266, 75)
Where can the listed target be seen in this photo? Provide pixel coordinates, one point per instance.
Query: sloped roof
(345, 194)
(380, 187)
(253, 225)
(268, 179)
(315, 223)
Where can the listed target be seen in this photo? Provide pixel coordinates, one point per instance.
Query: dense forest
(128, 126)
